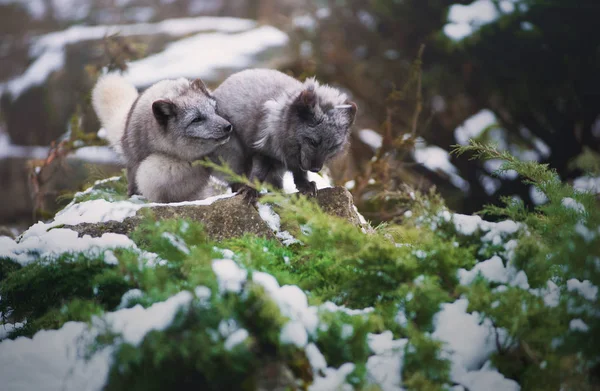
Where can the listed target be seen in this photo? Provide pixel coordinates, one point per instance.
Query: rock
(17, 206)
(337, 201)
(225, 218)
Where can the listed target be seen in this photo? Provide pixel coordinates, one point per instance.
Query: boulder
(225, 218)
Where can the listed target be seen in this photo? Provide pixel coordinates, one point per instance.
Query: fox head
(321, 125)
(189, 120)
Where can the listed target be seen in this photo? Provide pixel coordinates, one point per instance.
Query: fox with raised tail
(281, 124)
(160, 132)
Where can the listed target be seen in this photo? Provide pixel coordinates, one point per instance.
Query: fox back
(301, 125)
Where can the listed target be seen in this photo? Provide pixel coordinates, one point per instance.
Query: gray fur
(281, 124)
(170, 125)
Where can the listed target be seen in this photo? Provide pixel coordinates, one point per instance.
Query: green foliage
(401, 273)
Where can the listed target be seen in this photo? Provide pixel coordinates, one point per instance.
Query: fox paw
(249, 193)
(309, 190)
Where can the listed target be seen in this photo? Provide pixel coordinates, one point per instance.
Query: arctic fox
(281, 124)
(160, 132)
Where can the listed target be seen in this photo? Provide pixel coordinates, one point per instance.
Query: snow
(587, 183)
(49, 49)
(176, 242)
(465, 19)
(469, 224)
(315, 357)
(578, 325)
(129, 296)
(96, 154)
(10, 150)
(202, 55)
(584, 288)
(333, 379)
(537, 196)
(134, 323)
(492, 269)
(294, 333)
(236, 338)
(267, 281)
(110, 258)
(438, 159)
(486, 380)
(58, 241)
(54, 359)
(229, 275)
(550, 294)
(385, 367)
(570, 203)
(273, 220)
(468, 342)
(7, 328)
(322, 181)
(493, 165)
(474, 125)
(371, 138)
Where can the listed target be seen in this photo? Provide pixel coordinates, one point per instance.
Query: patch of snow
(202, 55)
(350, 184)
(49, 49)
(466, 19)
(490, 185)
(485, 380)
(583, 231)
(267, 281)
(333, 379)
(493, 165)
(492, 269)
(468, 341)
(229, 275)
(110, 258)
(587, 183)
(273, 220)
(7, 328)
(437, 159)
(54, 359)
(322, 181)
(578, 325)
(537, 196)
(584, 288)
(371, 138)
(474, 125)
(315, 357)
(96, 154)
(236, 338)
(58, 241)
(176, 242)
(385, 367)
(550, 294)
(570, 203)
(294, 333)
(129, 296)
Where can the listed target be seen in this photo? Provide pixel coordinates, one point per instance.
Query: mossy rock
(224, 219)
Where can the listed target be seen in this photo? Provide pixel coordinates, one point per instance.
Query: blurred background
(426, 75)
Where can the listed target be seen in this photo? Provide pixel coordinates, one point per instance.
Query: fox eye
(312, 142)
(198, 119)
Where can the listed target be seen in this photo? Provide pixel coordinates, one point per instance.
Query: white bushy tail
(112, 99)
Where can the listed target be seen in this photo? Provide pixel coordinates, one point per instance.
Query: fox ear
(307, 98)
(348, 111)
(305, 103)
(162, 110)
(199, 85)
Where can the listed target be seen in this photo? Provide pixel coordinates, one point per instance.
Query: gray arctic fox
(281, 124)
(160, 132)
